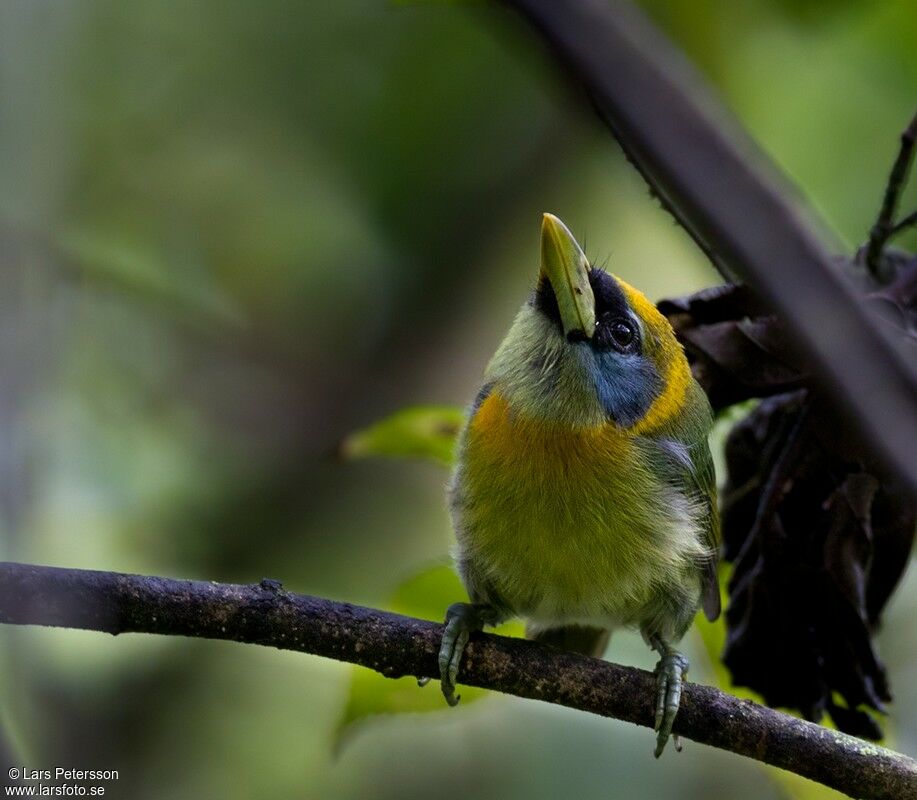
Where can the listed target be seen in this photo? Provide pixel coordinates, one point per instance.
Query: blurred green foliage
(417, 432)
(232, 233)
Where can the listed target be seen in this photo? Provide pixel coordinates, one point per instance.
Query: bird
(583, 496)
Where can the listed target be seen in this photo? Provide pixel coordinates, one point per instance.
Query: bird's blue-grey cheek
(626, 385)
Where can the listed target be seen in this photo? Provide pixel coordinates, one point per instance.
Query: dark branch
(906, 222)
(722, 190)
(395, 645)
(885, 226)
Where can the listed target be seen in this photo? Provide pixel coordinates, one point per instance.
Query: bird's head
(587, 348)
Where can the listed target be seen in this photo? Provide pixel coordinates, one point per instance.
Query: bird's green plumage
(584, 494)
(565, 516)
(583, 526)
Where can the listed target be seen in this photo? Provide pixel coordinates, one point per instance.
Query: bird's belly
(550, 560)
(567, 526)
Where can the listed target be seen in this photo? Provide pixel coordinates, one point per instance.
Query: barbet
(584, 496)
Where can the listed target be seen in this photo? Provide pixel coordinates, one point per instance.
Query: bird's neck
(541, 377)
(502, 423)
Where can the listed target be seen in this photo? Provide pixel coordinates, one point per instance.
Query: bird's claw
(462, 619)
(670, 678)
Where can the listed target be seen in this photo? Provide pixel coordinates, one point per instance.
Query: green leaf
(426, 595)
(418, 432)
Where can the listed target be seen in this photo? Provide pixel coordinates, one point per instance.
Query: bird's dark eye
(614, 332)
(622, 332)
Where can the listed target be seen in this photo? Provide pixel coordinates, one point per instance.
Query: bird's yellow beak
(565, 265)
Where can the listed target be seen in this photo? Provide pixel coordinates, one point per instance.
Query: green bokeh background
(232, 232)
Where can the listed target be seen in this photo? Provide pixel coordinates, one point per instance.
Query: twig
(725, 194)
(394, 645)
(885, 226)
(905, 223)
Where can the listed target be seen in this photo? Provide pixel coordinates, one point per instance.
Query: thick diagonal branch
(394, 645)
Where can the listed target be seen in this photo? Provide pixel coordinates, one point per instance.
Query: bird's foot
(670, 678)
(462, 619)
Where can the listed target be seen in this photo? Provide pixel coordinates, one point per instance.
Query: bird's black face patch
(545, 301)
(615, 328)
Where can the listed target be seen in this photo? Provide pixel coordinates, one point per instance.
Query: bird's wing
(702, 484)
(690, 465)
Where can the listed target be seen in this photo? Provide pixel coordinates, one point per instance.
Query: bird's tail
(573, 638)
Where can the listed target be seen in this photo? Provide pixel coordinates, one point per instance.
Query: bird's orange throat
(499, 434)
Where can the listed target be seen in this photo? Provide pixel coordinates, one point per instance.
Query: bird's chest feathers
(567, 522)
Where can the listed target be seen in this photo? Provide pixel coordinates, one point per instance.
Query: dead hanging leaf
(817, 544)
(848, 543)
(893, 513)
(716, 303)
(817, 535)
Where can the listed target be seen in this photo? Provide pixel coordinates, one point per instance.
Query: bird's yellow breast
(566, 523)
